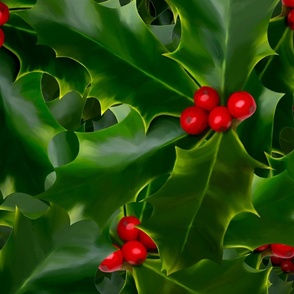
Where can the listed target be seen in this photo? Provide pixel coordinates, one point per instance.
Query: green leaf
(21, 40)
(273, 201)
(221, 41)
(26, 129)
(63, 148)
(277, 71)
(49, 254)
(196, 204)
(68, 110)
(20, 3)
(114, 164)
(256, 132)
(205, 277)
(27, 205)
(287, 140)
(136, 74)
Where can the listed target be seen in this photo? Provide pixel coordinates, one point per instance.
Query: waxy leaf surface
(150, 82)
(215, 49)
(194, 208)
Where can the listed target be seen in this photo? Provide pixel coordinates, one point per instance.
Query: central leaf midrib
(226, 46)
(126, 61)
(203, 194)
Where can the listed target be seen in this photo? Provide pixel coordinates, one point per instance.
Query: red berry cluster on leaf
(4, 16)
(208, 113)
(281, 255)
(290, 15)
(135, 249)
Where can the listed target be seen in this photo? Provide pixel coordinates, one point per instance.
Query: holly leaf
(20, 3)
(272, 198)
(213, 41)
(138, 71)
(231, 277)
(197, 197)
(277, 71)
(21, 39)
(26, 129)
(256, 132)
(49, 253)
(114, 164)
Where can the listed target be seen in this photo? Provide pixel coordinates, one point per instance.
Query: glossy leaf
(205, 277)
(256, 133)
(139, 70)
(45, 253)
(215, 48)
(277, 71)
(272, 198)
(29, 206)
(69, 74)
(203, 208)
(27, 127)
(114, 164)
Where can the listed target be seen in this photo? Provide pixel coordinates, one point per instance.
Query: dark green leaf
(272, 199)
(201, 203)
(63, 148)
(114, 164)
(205, 277)
(223, 40)
(48, 254)
(21, 40)
(147, 80)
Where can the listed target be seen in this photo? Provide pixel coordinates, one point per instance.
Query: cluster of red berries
(208, 113)
(4, 16)
(281, 255)
(135, 249)
(290, 14)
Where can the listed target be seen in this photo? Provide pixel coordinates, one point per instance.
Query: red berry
(288, 3)
(275, 260)
(147, 241)
(126, 228)
(261, 248)
(282, 250)
(241, 105)
(206, 98)
(112, 263)
(220, 119)
(2, 37)
(134, 252)
(193, 120)
(287, 266)
(290, 19)
(4, 13)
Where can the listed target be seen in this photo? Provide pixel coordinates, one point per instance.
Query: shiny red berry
(112, 263)
(147, 241)
(2, 37)
(193, 120)
(134, 252)
(282, 250)
(4, 13)
(287, 266)
(241, 105)
(288, 3)
(126, 228)
(261, 248)
(220, 119)
(290, 19)
(206, 98)
(275, 260)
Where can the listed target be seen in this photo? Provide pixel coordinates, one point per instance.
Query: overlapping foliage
(90, 98)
